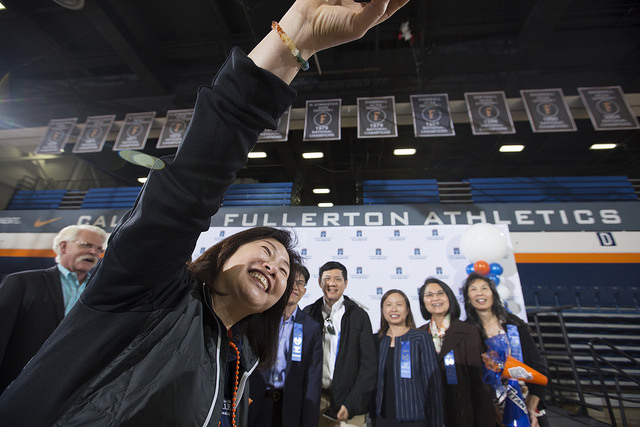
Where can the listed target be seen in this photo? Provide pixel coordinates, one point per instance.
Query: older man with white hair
(33, 303)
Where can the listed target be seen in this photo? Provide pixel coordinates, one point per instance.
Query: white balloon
(504, 292)
(484, 242)
(514, 307)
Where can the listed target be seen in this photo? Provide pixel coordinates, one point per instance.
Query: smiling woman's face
(480, 295)
(395, 310)
(435, 300)
(255, 276)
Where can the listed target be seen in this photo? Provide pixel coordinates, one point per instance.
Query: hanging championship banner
(281, 133)
(322, 120)
(608, 108)
(431, 115)
(489, 113)
(175, 126)
(134, 132)
(547, 110)
(377, 117)
(56, 136)
(95, 132)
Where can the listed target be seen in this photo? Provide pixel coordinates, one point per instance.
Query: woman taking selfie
(409, 393)
(153, 342)
(467, 403)
(504, 334)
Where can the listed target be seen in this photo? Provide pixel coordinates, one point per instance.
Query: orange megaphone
(515, 369)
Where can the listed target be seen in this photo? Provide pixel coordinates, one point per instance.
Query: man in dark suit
(350, 355)
(288, 394)
(33, 303)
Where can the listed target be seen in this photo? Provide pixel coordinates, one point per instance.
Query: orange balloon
(481, 267)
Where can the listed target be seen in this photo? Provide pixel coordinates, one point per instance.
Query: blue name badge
(514, 342)
(405, 359)
(450, 368)
(296, 348)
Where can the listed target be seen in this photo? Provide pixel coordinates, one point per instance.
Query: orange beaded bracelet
(304, 65)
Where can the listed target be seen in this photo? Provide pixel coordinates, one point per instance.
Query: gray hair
(70, 232)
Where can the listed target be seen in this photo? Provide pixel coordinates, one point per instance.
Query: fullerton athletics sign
(591, 216)
(529, 218)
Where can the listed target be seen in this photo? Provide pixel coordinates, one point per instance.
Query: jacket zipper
(215, 394)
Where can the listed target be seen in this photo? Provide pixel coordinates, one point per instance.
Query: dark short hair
(305, 273)
(333, 265)
(454, 307)
(384, 325)
(260, 329)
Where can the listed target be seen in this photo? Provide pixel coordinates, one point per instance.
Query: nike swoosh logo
(40, 223)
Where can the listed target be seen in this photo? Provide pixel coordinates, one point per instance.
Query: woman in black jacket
(467, 402)
(152, 342)
(501, 329)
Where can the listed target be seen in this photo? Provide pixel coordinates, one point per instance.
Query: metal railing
(617, 373)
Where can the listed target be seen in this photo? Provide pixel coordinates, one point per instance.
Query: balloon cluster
(484, 245)
(491, 271)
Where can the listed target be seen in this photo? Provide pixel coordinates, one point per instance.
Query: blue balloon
(496, 268)
(470, 268)
(494, 278)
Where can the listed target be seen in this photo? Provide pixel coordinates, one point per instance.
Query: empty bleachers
(551, 189)
(569, 339)
(258, 194)
(586, 298)
(36, 199)
(110, 198)
(400, 191)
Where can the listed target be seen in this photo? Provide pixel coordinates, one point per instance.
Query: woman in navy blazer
(408, 392)
(467, 403)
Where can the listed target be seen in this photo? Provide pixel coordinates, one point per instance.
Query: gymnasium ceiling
(125, 56)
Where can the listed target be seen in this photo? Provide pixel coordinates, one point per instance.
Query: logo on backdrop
(397, 236)
(359, 237)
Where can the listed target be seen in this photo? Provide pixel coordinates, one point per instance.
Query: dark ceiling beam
(26, 11)
(108, 23)
(542, 21)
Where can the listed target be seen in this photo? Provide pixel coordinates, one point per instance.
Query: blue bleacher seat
(36, 199)
(551, 189)
(376, 192)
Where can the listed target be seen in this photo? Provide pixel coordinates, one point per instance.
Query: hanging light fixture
(71, 4)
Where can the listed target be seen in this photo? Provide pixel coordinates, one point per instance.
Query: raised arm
(247, 96)
(315, 25)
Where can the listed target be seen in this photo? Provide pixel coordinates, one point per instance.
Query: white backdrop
(382, 258)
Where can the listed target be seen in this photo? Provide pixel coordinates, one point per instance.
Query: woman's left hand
(532, 408)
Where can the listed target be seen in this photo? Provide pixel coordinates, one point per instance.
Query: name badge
(514, 342)
(296, 348)
(450, 368)
(405, 359)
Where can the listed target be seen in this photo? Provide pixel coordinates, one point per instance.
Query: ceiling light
(71, 4)
(404, 151)
(325, 205)
(321, 191)
(257, 155)
(511, 148)
(142, 179)
(2, 7)
(313, 155)
(607, 146)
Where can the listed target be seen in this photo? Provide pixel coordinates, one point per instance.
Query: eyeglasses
(434, 294)
(338, 280)
(299, 284)
(328, 325)
(90, 246)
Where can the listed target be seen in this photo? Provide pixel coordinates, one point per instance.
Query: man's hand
(343, 414)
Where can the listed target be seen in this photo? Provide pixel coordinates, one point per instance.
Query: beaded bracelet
(304, 65)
